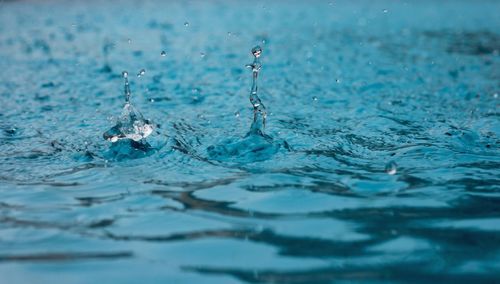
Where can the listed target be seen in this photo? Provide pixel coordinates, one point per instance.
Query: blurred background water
(390, 109)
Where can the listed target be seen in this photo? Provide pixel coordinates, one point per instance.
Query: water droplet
(186, 24)
(129, 40)
(315, 98)
(202, 54)
(257, 51)
(391, 168)
(125, 74)
(495, 95)
(237, 114)
(229, 34)
(337, 81)
(141, 73)
(385, 10)
(163, 53)
(152, 100)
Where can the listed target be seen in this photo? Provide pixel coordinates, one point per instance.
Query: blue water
(379, 161)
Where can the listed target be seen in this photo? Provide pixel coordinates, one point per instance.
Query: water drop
(391, 168)
(125, 74)
(163, 53)
(202, 54)
(495, 95)
(186, 24)
(337, 81)
(315, 98)
(229, 34)
(257, 51)
(385, 10)
(129, 40)
(237, 114)
(141, 73)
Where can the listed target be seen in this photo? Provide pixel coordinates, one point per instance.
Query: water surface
(390, 110)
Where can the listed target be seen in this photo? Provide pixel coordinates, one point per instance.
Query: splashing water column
(131, 124)
(259, 110)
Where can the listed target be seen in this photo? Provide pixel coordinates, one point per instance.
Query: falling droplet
(385, 10)
(125, 74)
(237, 114)
(202, 54)
(141, 73)
(129, 40)
(315, 98)
(391, 168)
(337, 81)
(229, 34)
(186, 24)
(257, 51)
(163, 53)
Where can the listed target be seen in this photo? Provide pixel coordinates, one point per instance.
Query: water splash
(259, 110)
(131, 124)
(256, 145)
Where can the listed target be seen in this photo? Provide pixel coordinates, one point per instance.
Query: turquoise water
(379, 161)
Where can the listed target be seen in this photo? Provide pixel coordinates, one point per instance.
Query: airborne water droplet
(257, 51)
(202, 54)
(124, 74)
(141, 73)
(186, 24)
(391, 168)
(315, 98)
(385, 10)
(163, 53)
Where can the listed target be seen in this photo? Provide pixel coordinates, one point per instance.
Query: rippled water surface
(381, 162)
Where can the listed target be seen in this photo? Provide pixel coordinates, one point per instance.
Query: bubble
(237, 114)
(125, 74)
(163, 53)
(385, 10)
(391, 168)
(495, 95)
(337, 81)
(141, 73)
(315, 98)
(202, 54)
(186, 24)
(257, 51)
(129, 40)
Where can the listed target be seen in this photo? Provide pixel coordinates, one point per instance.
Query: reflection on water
(379, 161)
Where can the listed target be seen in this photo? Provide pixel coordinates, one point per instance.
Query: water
(379, 161)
